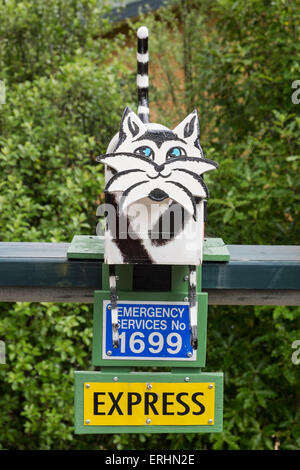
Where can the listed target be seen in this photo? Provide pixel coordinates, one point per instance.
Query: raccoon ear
(131, 125)
(188, 129)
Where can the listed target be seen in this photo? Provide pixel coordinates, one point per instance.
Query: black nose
(160, 168)
(157, 195)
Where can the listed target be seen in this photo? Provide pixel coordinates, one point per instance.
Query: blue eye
(145, 151)
(176, 152)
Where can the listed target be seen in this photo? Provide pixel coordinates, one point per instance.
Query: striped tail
(142, 73)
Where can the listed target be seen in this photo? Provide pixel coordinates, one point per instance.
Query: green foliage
(59, 115)
(52, 130)
(37, 36)
(63, 105)
(44, 345)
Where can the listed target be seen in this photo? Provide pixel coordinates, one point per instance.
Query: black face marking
(117, 176)
(198, 146)
(122, 134)
(133, 127)
(189, 128)
(188, 193)
(190, 159)
(155, 234)
(122, 138)
(197, 178)
(157, 195)
(159, 169)
(159, 137)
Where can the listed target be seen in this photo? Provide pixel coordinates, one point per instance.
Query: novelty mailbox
(151, 311)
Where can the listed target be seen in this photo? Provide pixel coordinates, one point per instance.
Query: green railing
(254, 275)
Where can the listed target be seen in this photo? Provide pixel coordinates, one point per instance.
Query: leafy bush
(235, 62)
(37, 37)
(53, 125)
(52, 130)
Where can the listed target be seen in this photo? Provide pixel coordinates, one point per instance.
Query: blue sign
(149, 330)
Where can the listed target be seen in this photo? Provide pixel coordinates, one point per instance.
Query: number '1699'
(153, 344)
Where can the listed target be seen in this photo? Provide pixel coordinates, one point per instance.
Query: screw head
(189, 354)
(149, 386)
(186, 299)
(87, 385)
(115, 379)
(186, 379)
(210, 421)
(148, 421)
(210, 386)
(186, 278)
(117, 278)
(109, 353)
(87, 421)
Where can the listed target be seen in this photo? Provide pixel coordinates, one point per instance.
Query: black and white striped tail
(114, 305)
(142, 73)
(193, 305)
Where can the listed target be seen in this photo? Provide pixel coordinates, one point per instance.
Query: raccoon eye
(175, 152)
(145, 151)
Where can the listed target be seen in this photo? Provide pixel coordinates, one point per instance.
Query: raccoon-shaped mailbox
(155, 194)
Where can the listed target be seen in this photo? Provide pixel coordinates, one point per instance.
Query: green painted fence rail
(255, 275)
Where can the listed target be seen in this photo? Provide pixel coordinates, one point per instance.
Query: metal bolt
(210, 421)
(109, 307)
(189, 354)
(210, 386)
(186, 299)
(149, 386)
(186, 278)
(186, 379)
(148, 421)
(87, 386)
(117, 278)
(109, 353)
(115, 379)
(87, 421)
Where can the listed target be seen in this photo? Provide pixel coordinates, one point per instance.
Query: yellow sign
(138, 404)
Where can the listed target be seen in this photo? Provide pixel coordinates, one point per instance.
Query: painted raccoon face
(153, 161)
